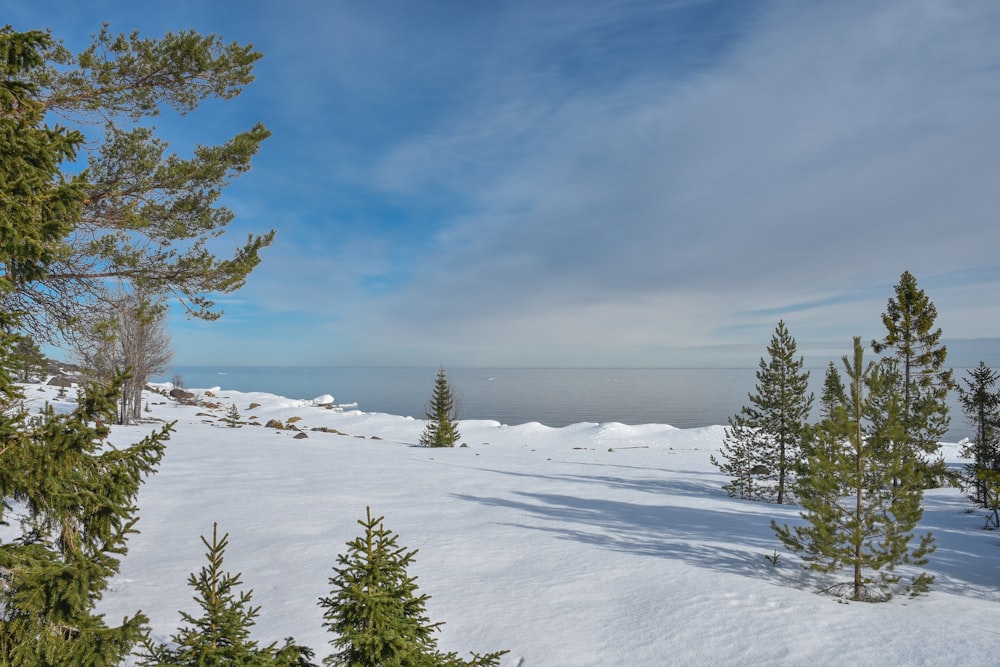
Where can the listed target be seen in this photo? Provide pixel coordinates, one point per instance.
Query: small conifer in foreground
(442, 420)
(67, 503)
(374, 609)
(221, 635)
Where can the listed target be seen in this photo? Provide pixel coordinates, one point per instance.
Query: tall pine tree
(764, 441)
(442, 418)
(913, 341)
(66, 495)
(980, 401)
(151, 217)
(375, 611)
(861, 496)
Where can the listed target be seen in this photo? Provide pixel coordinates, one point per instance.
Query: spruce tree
(220, 637)
(375, 611)
(233, 416)
(741, 459)
(980, 401)
(442, 419)
(924, 381)
(765, 440)
(73, 497)
(861, 496)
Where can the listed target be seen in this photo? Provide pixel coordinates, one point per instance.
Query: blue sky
(594, 183)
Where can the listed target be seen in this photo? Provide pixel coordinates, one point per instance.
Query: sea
(681, 397)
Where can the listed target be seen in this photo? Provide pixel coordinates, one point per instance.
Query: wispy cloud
(593, 182)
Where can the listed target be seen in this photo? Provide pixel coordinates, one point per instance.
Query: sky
(584, 183)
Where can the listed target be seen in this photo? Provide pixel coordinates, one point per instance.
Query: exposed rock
(292, 420)
(253, 405)
(274, 423)
(60, 381)
(300, 436)
(327, 429)
(209, 394)
(181, 395)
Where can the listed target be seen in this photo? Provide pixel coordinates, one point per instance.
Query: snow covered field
(593, 544)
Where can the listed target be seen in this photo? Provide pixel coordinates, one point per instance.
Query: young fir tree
(924, 381)
(233, 416)
(981, 403)
(374, 609)
(220, 637)
(861, 497)
(442, 421)
(765, 440)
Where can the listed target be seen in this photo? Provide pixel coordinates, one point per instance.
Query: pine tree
(152, 216)
(442, 421)
(981, 403)
(833, 402)
(66, 496)
(220, 637)
(861, 496)
(924, 381)
(39, 206)
(375, 611)
(765, 440)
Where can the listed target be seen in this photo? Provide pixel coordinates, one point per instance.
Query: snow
(593, 544)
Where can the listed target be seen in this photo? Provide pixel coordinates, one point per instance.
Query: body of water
(681, 397)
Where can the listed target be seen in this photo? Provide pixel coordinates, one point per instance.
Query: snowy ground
(593, 544)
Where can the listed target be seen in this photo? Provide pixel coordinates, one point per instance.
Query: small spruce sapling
(221, 635)
(233, 416)
(375, 611)
(442, 418)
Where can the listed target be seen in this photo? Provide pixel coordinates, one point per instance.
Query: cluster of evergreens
(129, 229)
(859, 472)
(374, 610)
